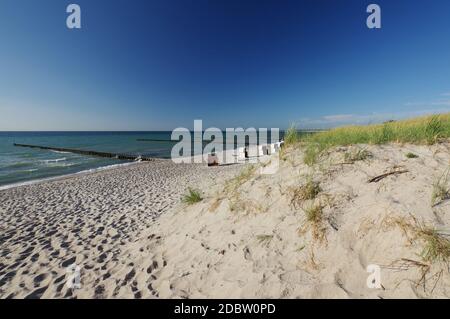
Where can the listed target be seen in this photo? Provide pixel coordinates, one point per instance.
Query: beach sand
(248, 238)
(87, 219)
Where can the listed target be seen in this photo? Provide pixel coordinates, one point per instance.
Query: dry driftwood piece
(380, 177)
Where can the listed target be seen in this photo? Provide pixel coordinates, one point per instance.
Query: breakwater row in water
(89, 152)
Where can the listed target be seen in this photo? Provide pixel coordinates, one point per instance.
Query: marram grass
(291, 136)
(421, 130)
(193, 196)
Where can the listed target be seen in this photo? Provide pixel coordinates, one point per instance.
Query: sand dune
(267, 249)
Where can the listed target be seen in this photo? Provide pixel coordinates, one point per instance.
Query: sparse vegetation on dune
(423, 130)
(231, 190)
(238, 203)
(291, 136)
(435, 244)
(246, 206)
(314, 221)
(441, 189)
(312, 152)
(434, 254)
(244, 176)
(358, 155)
(308, 191)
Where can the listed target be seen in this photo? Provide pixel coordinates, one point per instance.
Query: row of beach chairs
(245, 153)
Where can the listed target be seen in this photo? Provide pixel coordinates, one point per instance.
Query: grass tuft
(441, 189)
(436, 245)
(411, 155)
(315, 221)
(434, 129)
(264, 240)
(291, 136)
(308, 191)
(360, 155)
(314, 213)
(193, 196)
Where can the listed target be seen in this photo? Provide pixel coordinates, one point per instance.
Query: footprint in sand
(38, 279)
(152, 267)
(68, 262)
(99, 291)
(37, 294)
(247, 253)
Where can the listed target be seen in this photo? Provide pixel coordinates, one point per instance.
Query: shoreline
(192, 159)
(64, 176)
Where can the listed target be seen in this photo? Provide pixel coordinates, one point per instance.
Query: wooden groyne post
(120, 156)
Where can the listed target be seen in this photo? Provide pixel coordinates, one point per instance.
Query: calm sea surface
(19, 164)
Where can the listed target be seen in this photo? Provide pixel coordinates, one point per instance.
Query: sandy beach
(250, 236)
(87, 219)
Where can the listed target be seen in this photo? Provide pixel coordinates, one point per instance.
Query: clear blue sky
(157, 65)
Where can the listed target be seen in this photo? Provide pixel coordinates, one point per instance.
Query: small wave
(59, 152)
(57, 160)
(56, 165)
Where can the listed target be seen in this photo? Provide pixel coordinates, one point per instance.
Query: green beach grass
(422, 130)
(193, 196)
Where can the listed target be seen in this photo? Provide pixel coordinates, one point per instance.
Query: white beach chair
(277, 146)
(273, 148)
(252, 151)
(263, 150)
(241, 154)
(260, 150)
(213, 160)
